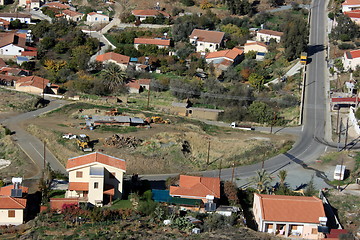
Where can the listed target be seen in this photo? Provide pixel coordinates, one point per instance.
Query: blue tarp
(160, 195)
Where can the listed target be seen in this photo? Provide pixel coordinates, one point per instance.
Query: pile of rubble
(120, 141)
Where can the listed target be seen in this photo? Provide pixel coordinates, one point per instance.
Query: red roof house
(6, 191)
(161, 43)
(205, 40)
(289, 216)
(35, 84)
(95, 175)
(121, 60)
(196, 187)
(12, 210)
(143, 14)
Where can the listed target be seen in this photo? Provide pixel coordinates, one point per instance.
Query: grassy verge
(17, 101)
(121, 204)
(116, 129)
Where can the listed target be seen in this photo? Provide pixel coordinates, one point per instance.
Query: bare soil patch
(181, 146)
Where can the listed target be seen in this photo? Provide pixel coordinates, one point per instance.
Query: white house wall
(11, 50)
(18, 219)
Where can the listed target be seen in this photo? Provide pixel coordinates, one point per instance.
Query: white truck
(241, 127)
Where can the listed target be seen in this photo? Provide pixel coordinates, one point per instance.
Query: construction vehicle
(83, 142)
(303, 58)
(157, 119)
(112, 112)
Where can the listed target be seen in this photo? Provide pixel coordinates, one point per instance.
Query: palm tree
(113, 76)
(262, 180)
(282, 176)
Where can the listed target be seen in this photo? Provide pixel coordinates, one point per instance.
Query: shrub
(345, 46)
(188, 3)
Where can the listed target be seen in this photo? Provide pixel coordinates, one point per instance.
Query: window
(19, 51)
(314, 231)
(11, 213)
(79, 174)
(6, 50)
(112, 175)
(96, 185)
(96, 19)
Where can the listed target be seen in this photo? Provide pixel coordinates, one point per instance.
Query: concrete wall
(348, 8)
(257, 212)
(28, 89)
(97, 18)
(256, 48)
(18, 219)
(353, 121)
(96, 195)
(204, 46)
(266, 37)
(22, 20)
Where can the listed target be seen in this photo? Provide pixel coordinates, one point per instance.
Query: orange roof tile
(299, 209)
(144, 81)
(193, 186)
(149, 13)
(133, 84)
(207, 36)
(353, 54)
(2, 63)
(78, 186)
(96, 157)
(4, 22)
(95, 13)
(7, 202)
(109, 190)
(57, 5)
(11, 38)
(34, 81)
(58, 203)
(15, 15)
(256, 43)
(152, 41)
(121, 59)
(271, 32)
(6, 191)
(71, 13)
(351, 2)
(232, 54)
(353, 14)
(29, 53)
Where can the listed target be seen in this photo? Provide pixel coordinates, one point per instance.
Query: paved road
(31, 145)
(306, 150)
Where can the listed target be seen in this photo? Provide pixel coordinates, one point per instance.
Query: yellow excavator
(83, 142)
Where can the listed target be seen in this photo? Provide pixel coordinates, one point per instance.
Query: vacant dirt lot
(180, 146)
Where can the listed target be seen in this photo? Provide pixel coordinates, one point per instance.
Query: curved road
(296, 161)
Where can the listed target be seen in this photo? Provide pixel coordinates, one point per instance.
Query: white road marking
(37, 150)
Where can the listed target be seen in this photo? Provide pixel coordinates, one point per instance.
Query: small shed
(339, 172)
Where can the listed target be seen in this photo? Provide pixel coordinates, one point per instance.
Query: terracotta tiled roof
(34, 81)
(11, 38)
(271, 32)
(6, 191)
(149, 13)
(193, 186)
(109, 190)
(7, 78)
(207, 36)
(153, 41)
(144, 81)
(72, 13)
(299, 209)
(96, 157)
(351, 2)
(133, 84)
(58, 203)
(121, 59)
(29, 53)
(95, 13)
(353, 14)
(232, 54)
(14, 15)
(2, 63)
(353, 54)
(78, 186)
(57, 5)
(7, 202)
(4, 22)
(256, 43)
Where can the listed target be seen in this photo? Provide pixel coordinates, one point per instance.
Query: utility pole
(44, 155)
(273, 122)
(220, 168)
(208, 154)
(233, 172)
(337, 120)
(148, 98)
(346, 133)
(339, 139)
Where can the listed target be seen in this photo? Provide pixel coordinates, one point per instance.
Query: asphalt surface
(307, 149)
(32, 146)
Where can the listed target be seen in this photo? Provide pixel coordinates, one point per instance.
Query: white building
(264, 35)
(143, 14)
(110, 57)
(255, 46)
(95, 178)
(206, 41)
(12, 44)
(159, 42)
(24, 18)
(72, 15)
(94, 17)
(350, 5)
(12, 210)
(351, 59)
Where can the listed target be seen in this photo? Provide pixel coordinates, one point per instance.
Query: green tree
(345, 27)
(295, 38)
(113, 77)
(310, 189)
(262, 180)
(276, 3)
(282, 177)
(256, 81)
(16, 24)
(261, 112)
(234, 30)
